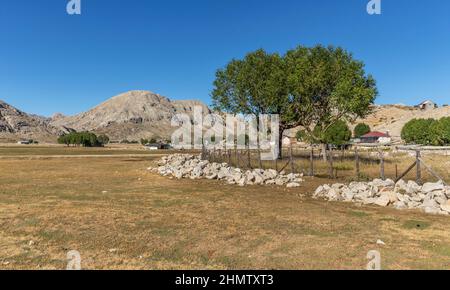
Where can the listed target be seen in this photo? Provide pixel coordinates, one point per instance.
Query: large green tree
(326, 85)
(307, 87)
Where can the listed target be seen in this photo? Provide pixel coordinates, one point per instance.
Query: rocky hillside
(132, 115)
(392, 118)
(16, 125)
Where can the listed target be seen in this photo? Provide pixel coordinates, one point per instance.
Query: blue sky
(53, 62)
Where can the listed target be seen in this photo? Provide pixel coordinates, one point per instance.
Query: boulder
(293, 185)
(430, 187)
(446, 206)
(383, 200)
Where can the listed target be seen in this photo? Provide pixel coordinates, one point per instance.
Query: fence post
(249, 156)
(259, 158)
(311, 162)
(418, 169)
(331, 169)
(382, 175)
(291, 158)
(358, 173)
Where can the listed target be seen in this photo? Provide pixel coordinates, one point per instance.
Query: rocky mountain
(132, 115)
(16, 125)
(142, 114)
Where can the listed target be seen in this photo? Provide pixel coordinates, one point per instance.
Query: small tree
(421, 131)
(338, 134)
(361, 129)
(103, 140)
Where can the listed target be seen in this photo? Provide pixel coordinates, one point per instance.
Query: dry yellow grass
(120, 216)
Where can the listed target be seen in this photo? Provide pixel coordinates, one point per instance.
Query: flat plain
(118, 215)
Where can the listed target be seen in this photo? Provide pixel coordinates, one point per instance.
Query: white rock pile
(432, 198)
(192, 167)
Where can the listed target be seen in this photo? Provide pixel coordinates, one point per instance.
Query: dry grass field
(120, 216)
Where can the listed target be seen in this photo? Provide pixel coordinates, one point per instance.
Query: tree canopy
(361, 129)
(427, 132)
(307, 87)
(85, 139)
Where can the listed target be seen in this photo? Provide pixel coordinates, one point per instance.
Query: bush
(338, 134)
(427, 132)
(103, 139)
(445, 127)
(361, 129)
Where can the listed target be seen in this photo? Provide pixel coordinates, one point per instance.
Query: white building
(427, 105)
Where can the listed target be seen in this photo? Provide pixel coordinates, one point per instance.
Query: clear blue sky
(53, 62)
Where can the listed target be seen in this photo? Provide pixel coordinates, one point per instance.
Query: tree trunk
(280, 145)
(324, 152)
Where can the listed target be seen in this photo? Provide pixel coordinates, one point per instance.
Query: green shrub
(361, 129)
(427, 132)
(85, 139)
(338, 134)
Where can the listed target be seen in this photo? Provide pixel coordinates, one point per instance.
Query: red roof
(375, 134)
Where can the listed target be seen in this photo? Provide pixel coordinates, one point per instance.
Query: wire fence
(356, 163)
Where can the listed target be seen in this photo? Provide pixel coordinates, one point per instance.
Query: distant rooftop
(375, 134)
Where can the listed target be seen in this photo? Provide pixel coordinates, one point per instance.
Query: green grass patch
(418, 225)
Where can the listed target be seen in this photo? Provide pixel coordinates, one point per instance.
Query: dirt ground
(120, 216)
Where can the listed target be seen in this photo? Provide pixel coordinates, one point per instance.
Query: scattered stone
(430, 187)
(380, 242)
(430, 198)
(293, 185)
(446, 206)
(383, 200)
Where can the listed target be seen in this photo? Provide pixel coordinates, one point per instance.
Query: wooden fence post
(418, 169)
(259, 158)
(249, 156)
(291, 159)
(358, 173)
(311, 162)
(382, 175)
(331, 169)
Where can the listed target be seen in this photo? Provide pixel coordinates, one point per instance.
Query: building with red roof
(376, 137)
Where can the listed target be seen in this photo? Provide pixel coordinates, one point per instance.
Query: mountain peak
(134, 114)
